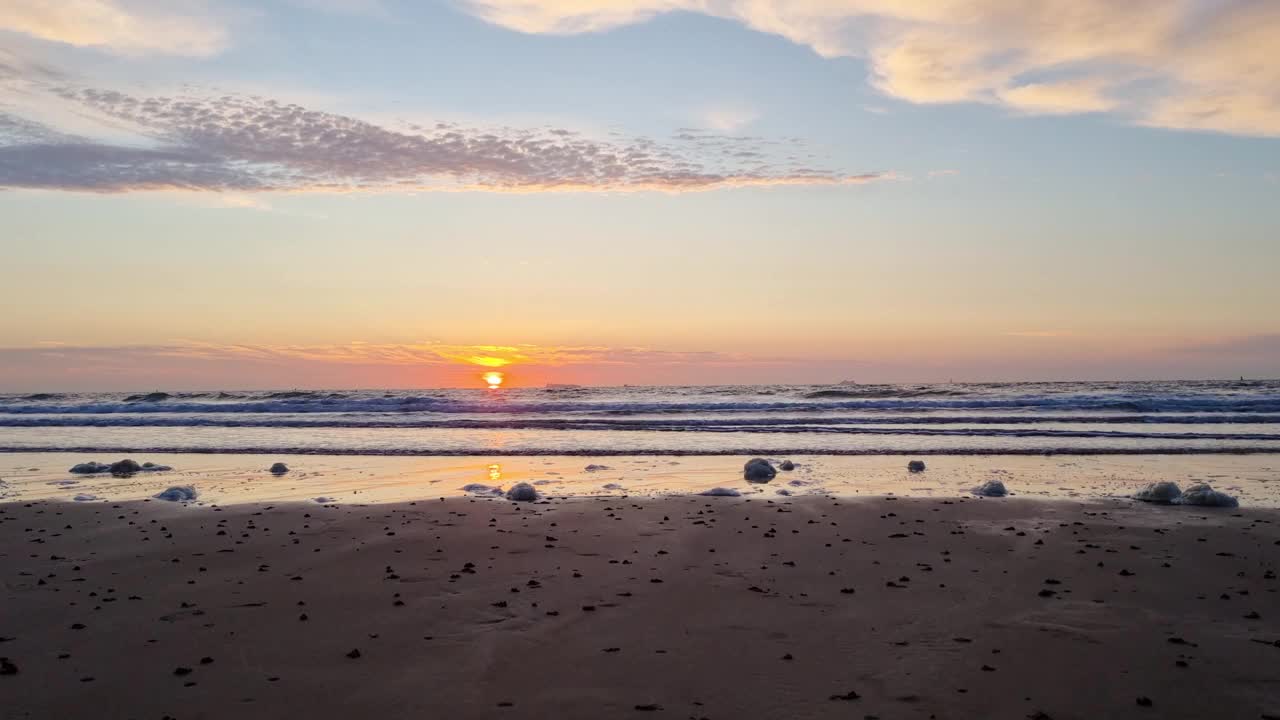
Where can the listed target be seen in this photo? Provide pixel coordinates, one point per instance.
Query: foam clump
(1163, 492)
(991, 488)
(721, 492)
(481, 489)
(541, 482)
(758, 470)
(786, 466)
(613, 486)
(120, 467)
(125, 467)
(279, 468)
(595, 468)
(522, 492)
(1204, 495)
(85, 497)
(177, 493)
(916, 466)
(323, 500)
(90, 468)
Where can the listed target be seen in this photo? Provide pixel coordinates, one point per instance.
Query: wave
(339, 403)
(689, 424)
(883, 392)
(660, 452)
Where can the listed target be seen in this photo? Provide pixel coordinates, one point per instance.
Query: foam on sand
(177, 493)
(120, 467)
(92, 467)
(1203, 495)
(991, 488)
(1163, 493)
(721, 492)
(759, 470)
(522, 492)
(481, 489)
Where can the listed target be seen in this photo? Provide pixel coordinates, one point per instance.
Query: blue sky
(636, 191)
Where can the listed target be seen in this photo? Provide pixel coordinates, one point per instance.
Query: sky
(394, 193)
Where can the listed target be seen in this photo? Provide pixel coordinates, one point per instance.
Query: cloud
(1164, 63)
(1039, 333)
(1065, 97)
(728, 118)
(245, 144)
(173, 27)
(410, 355)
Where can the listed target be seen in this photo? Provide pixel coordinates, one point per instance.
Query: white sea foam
(1163, 492)
(177, 493)
(759, 470)
(522, 492)
(1202, 494)
(991, 488)
(721, 492)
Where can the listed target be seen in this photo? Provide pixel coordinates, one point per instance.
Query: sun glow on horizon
(493, 379)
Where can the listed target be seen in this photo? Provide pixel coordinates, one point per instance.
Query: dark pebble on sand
(354, 654)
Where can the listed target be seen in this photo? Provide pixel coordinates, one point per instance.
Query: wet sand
(227, 479)
(681, 607)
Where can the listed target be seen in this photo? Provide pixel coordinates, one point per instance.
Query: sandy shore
(685, 607)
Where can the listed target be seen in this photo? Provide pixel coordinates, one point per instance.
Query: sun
(493, 379)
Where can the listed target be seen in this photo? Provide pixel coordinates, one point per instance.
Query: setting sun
(493, 379)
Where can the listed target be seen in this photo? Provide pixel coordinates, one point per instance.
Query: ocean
(990, 418)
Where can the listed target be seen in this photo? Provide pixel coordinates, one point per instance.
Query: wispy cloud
(393, 354)
(727, 118)
(248, 144)
(1038, 333)
(1264, 345)
(1165, 63)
